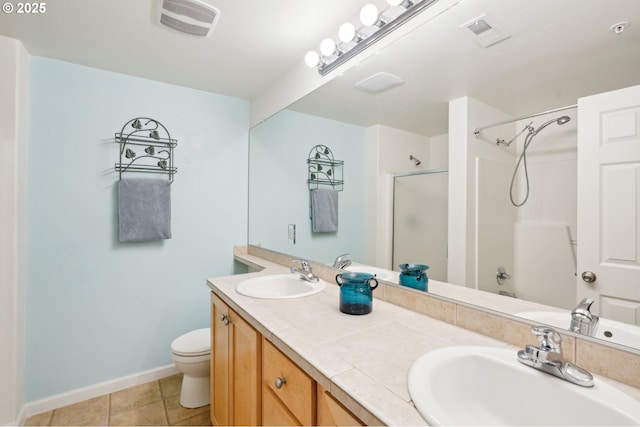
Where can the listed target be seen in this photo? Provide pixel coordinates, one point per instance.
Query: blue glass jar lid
(357, 276)
(414, 267)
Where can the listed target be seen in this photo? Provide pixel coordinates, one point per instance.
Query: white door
(609, 203)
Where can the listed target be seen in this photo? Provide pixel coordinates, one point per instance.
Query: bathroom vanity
(301, 361)
(254, 383)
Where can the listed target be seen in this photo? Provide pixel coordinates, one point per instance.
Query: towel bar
(323, 169)
(158, 152)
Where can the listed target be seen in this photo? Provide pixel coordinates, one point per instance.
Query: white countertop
(363, 360)
(367, 357)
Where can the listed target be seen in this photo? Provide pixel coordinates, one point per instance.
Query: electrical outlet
(292, 233)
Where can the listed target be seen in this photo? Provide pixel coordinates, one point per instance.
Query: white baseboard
(22, 417)
(81, 394)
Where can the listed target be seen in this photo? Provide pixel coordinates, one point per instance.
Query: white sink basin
(488, 386)
(380, 273)
(609, 330)
(279, 286)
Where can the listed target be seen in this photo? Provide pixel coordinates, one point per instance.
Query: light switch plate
(292, 233)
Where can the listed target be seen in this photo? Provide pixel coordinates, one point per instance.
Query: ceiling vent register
(485, 30)
(193, 17)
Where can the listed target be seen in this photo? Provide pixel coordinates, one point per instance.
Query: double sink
(482, 385)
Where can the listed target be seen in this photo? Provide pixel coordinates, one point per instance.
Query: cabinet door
(245, 392)
(220, 403)
(332, 413)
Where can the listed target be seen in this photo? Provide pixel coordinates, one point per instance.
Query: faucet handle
(548, 338)
(342, 261)
(303, 263)
(584, 309)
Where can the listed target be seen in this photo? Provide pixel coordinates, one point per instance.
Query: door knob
(589, 276)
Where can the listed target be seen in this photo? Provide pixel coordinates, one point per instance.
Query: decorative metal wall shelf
(157, 156)
(323, 169)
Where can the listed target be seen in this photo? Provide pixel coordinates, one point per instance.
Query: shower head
(532, 133)
(412, 157)
(560, 121)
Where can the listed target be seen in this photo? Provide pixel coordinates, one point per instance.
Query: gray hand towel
(324, 211)
(144, 208)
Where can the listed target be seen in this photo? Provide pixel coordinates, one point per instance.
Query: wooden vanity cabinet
(254, 383)
(330, 412)
(235, 368)
(288, 393)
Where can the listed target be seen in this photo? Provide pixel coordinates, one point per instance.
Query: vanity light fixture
(375, 25)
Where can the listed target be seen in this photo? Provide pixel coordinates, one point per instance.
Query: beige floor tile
(92, 412)
(171, 386)
(149, 415)
(43, 419)
(135, 397)
(177, 413)
(203, 419)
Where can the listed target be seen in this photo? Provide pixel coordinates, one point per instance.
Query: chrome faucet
(582, 320)
(342, 261)
(304, 271)
(547, 357)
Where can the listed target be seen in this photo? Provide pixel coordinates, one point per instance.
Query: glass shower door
(420, 224)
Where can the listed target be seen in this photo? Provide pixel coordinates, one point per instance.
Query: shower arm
(506, 144)
(479, 130)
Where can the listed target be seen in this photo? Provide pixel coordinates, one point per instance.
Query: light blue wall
(98, 309)
(279, 194)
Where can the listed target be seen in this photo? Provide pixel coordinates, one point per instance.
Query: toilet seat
(194, 343)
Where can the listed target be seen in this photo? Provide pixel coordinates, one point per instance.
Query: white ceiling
(559, 50)
(253, 43)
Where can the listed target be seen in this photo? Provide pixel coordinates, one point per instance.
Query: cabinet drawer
(296, 390)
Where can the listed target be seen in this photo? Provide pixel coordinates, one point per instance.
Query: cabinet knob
(225, 319)
(280, 382)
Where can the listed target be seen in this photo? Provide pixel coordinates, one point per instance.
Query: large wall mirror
(405, 197)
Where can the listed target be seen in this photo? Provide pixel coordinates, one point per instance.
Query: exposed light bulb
(346, 32)
(312, 59)
(369, 14)
(327, 47)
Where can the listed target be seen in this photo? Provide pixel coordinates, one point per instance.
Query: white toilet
(191, 353)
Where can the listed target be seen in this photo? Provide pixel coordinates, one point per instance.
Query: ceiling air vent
(485, 30)
(379, 82)
(193, 17)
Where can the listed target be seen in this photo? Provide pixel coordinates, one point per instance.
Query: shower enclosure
(420, 209)
(527, 213)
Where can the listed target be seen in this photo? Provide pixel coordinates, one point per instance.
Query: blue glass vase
(414, 276)
(356, 292)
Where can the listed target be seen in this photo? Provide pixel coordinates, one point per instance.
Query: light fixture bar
(387, 28)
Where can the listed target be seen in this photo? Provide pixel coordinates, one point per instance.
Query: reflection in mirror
(279, 193)
(453, 86)
(420, 201)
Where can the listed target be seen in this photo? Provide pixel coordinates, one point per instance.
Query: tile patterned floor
(152, 404)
